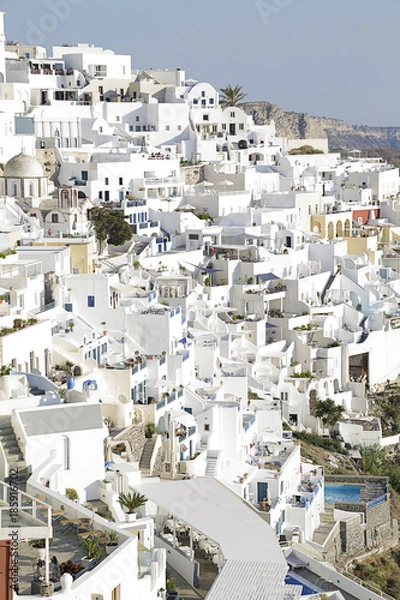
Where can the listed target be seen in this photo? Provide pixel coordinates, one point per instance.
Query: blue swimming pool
(342, 493)
(306, 590)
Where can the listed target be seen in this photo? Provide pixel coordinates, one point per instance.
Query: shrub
(71, 494)
(320, 442)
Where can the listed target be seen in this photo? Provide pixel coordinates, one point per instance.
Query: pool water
(342, 493)
(291, 580)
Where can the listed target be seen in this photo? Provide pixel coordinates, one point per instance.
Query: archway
(331, 231)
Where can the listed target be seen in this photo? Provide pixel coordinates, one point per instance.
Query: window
(206, 427)
(203, 94)
(232, 115)
(100, 130)
(100, 195)
(206, 118)
(241, 126)
(106, 181)
(195, 101)
(137, 118)
(107, 196)
(211, 101)
(130, 127)
(90, 302)
(101, 89)
(223, 126)
(121, 181)
(167, 128)
(179, 127)
(54, 218)
(137, 127)
(84, 175)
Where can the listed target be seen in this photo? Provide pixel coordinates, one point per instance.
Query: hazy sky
(336, 58)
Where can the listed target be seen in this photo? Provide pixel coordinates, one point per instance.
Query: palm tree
(231, 95)
(329, 412)
(132, 501)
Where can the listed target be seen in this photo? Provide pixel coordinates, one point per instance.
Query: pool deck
(319, 583)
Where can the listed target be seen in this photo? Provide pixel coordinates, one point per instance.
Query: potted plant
(40, 548)
(70, 567)
(71, 494)
(131, 502)
(111, 541)
(92, 550)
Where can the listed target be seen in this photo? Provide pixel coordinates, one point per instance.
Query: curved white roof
(23, 166)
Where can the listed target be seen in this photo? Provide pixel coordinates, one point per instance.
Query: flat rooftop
(212, 509)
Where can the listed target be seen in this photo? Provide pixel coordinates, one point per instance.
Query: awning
(267, 277)
(183, 417)
(205, 269)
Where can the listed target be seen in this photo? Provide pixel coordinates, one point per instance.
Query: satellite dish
(122, 398)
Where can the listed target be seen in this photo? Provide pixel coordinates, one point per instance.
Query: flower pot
(66, 581)
(40, 553)
(130, 517)
(110, 548)
(47, 589)
(87, 562)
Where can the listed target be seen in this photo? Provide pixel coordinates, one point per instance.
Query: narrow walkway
(184, 589)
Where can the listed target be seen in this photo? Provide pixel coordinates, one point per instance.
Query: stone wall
(352, 536)
(134, 435)
(157, 464)
(378, 524)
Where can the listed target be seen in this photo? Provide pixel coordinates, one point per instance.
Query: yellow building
(332, 225)
(82, 250)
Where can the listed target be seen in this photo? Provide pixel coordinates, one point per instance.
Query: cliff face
(339, 133)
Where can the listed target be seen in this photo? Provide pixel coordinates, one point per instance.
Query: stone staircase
(212, 460)
(14, 457)
(145, 459)
(325, 527)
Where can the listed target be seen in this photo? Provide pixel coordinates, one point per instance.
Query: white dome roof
(22, 166)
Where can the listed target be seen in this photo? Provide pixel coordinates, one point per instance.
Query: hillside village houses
(178, 365)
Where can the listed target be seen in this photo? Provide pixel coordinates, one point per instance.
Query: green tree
(328, 412)
(373, 460)
(305, 149)
(231, 96)
(109, 226)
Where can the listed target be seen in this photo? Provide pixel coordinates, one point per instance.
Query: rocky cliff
(340, 134)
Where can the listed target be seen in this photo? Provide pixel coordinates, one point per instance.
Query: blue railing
(249, 423)
(192, 430)
(163, 358)
(180, 393)
(377, 501)
(185, 356)
(171, 398)
(160, 404)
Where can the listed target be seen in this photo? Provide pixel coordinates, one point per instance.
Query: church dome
(23, 166)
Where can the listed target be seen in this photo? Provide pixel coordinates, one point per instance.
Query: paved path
(185, 590)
